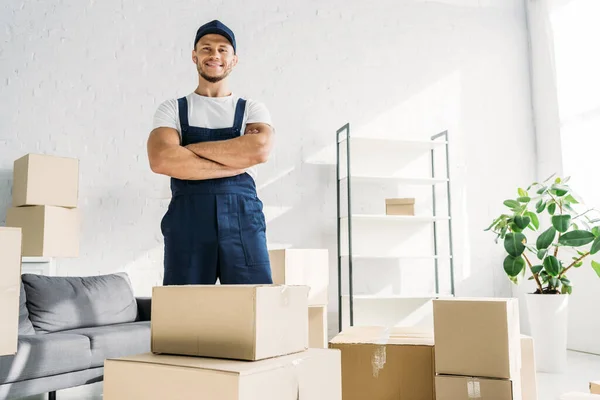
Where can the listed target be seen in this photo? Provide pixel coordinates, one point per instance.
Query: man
(210, 142)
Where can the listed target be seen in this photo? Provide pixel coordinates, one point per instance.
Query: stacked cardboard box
(381, 363)
(44, 205)
(227, 342)
(477, 349)
(309, 267)
(10, 283)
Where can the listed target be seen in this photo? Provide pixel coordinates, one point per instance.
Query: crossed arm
(208, 160)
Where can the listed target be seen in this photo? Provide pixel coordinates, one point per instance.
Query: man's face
(214, 57)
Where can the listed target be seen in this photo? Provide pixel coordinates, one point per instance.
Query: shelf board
(396, 218)
(396, 257)
(397, 296)
(367, 145)
(404, 143)
(394, 179)
(34, 260)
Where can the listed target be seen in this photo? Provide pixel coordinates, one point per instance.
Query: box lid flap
(401, 201)
(237, 367)
(386, 336)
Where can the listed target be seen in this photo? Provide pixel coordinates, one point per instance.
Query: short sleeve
(258, 112)
(166, 115)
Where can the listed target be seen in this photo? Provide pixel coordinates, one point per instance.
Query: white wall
(83, 79)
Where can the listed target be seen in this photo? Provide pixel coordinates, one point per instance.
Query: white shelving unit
(362, 154)
(38, 265)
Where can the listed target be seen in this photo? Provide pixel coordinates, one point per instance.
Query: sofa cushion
(59, 303)
(25, 326)
(113, 341)
(43, 355)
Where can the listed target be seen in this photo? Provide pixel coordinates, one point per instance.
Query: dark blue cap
(216, 27)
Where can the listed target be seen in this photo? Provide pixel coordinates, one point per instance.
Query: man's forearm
(241, 152)
(181, 163)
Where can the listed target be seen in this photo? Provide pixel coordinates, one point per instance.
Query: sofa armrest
(144, 308)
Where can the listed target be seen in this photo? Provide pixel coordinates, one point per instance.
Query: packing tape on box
(285, 295)
(379, 357)
(295, 365)
(473, 388)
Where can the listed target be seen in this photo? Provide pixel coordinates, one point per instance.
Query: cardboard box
(400, 206)
(244, 322)
(317, 327)
(44, 180)
(380, 363)
(10, 285)
(449, 387)
(47, 231)
(314, 374)
(477, 337)
(595, 387)
(308, 267)
(528, 370)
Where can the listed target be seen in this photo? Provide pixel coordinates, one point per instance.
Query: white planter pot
(548, 317)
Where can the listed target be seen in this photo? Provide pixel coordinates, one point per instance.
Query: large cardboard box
(449, 387)
(317, 327)
(528, 370)
(47, 231)
(10, 285)
(477, 337)
(314, 374)
(308, 267)
(386, 363)
(595, 387)
(40, 180)
(244, 322)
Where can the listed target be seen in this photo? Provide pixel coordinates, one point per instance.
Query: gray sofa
(68, 326)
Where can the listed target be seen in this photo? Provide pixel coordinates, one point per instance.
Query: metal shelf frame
(343, 135)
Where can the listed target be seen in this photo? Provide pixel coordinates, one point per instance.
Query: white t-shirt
(211, 112)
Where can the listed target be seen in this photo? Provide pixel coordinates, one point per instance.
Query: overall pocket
(253, 231)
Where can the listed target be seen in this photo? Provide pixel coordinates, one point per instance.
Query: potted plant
(547, 235)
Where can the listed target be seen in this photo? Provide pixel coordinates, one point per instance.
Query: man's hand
(242, 152)
(168, 157)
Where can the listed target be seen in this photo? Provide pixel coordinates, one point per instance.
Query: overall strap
(240, 108)
(183, 113)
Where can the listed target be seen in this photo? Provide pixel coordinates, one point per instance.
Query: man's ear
(194, 57)
(235, 60)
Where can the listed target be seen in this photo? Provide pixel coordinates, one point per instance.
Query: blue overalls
(214, 228)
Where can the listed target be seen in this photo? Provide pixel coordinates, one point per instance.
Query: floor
(582, 369)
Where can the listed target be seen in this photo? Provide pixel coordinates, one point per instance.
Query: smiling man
(210, 142)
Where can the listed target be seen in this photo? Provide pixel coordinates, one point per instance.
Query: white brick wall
(83, 79)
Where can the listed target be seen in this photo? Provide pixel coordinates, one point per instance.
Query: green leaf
(542, 253)
(550, 177)
(576, 238)
(596, 231)
(513, 265)
(565, 281)
(522, 192)
(561, 222)
(553, 282)
(567, 207)
(552, 265)
(551, 208)
(522, 222)
(579, 264)
(544, 276)
(566, 289)
(596, 267)
(546, 238)
(515, 228)
(595, 246)
(557, 180)
(534, 219)
(524, 199)
(493, 224)
(511, 203)
(514, 243)
(542, 190)
(540, 206)
(536, 269)
(571, 199)
(559, 190)
(575, 226)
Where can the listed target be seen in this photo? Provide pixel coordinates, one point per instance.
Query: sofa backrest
(57, 303)
(25, 326)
